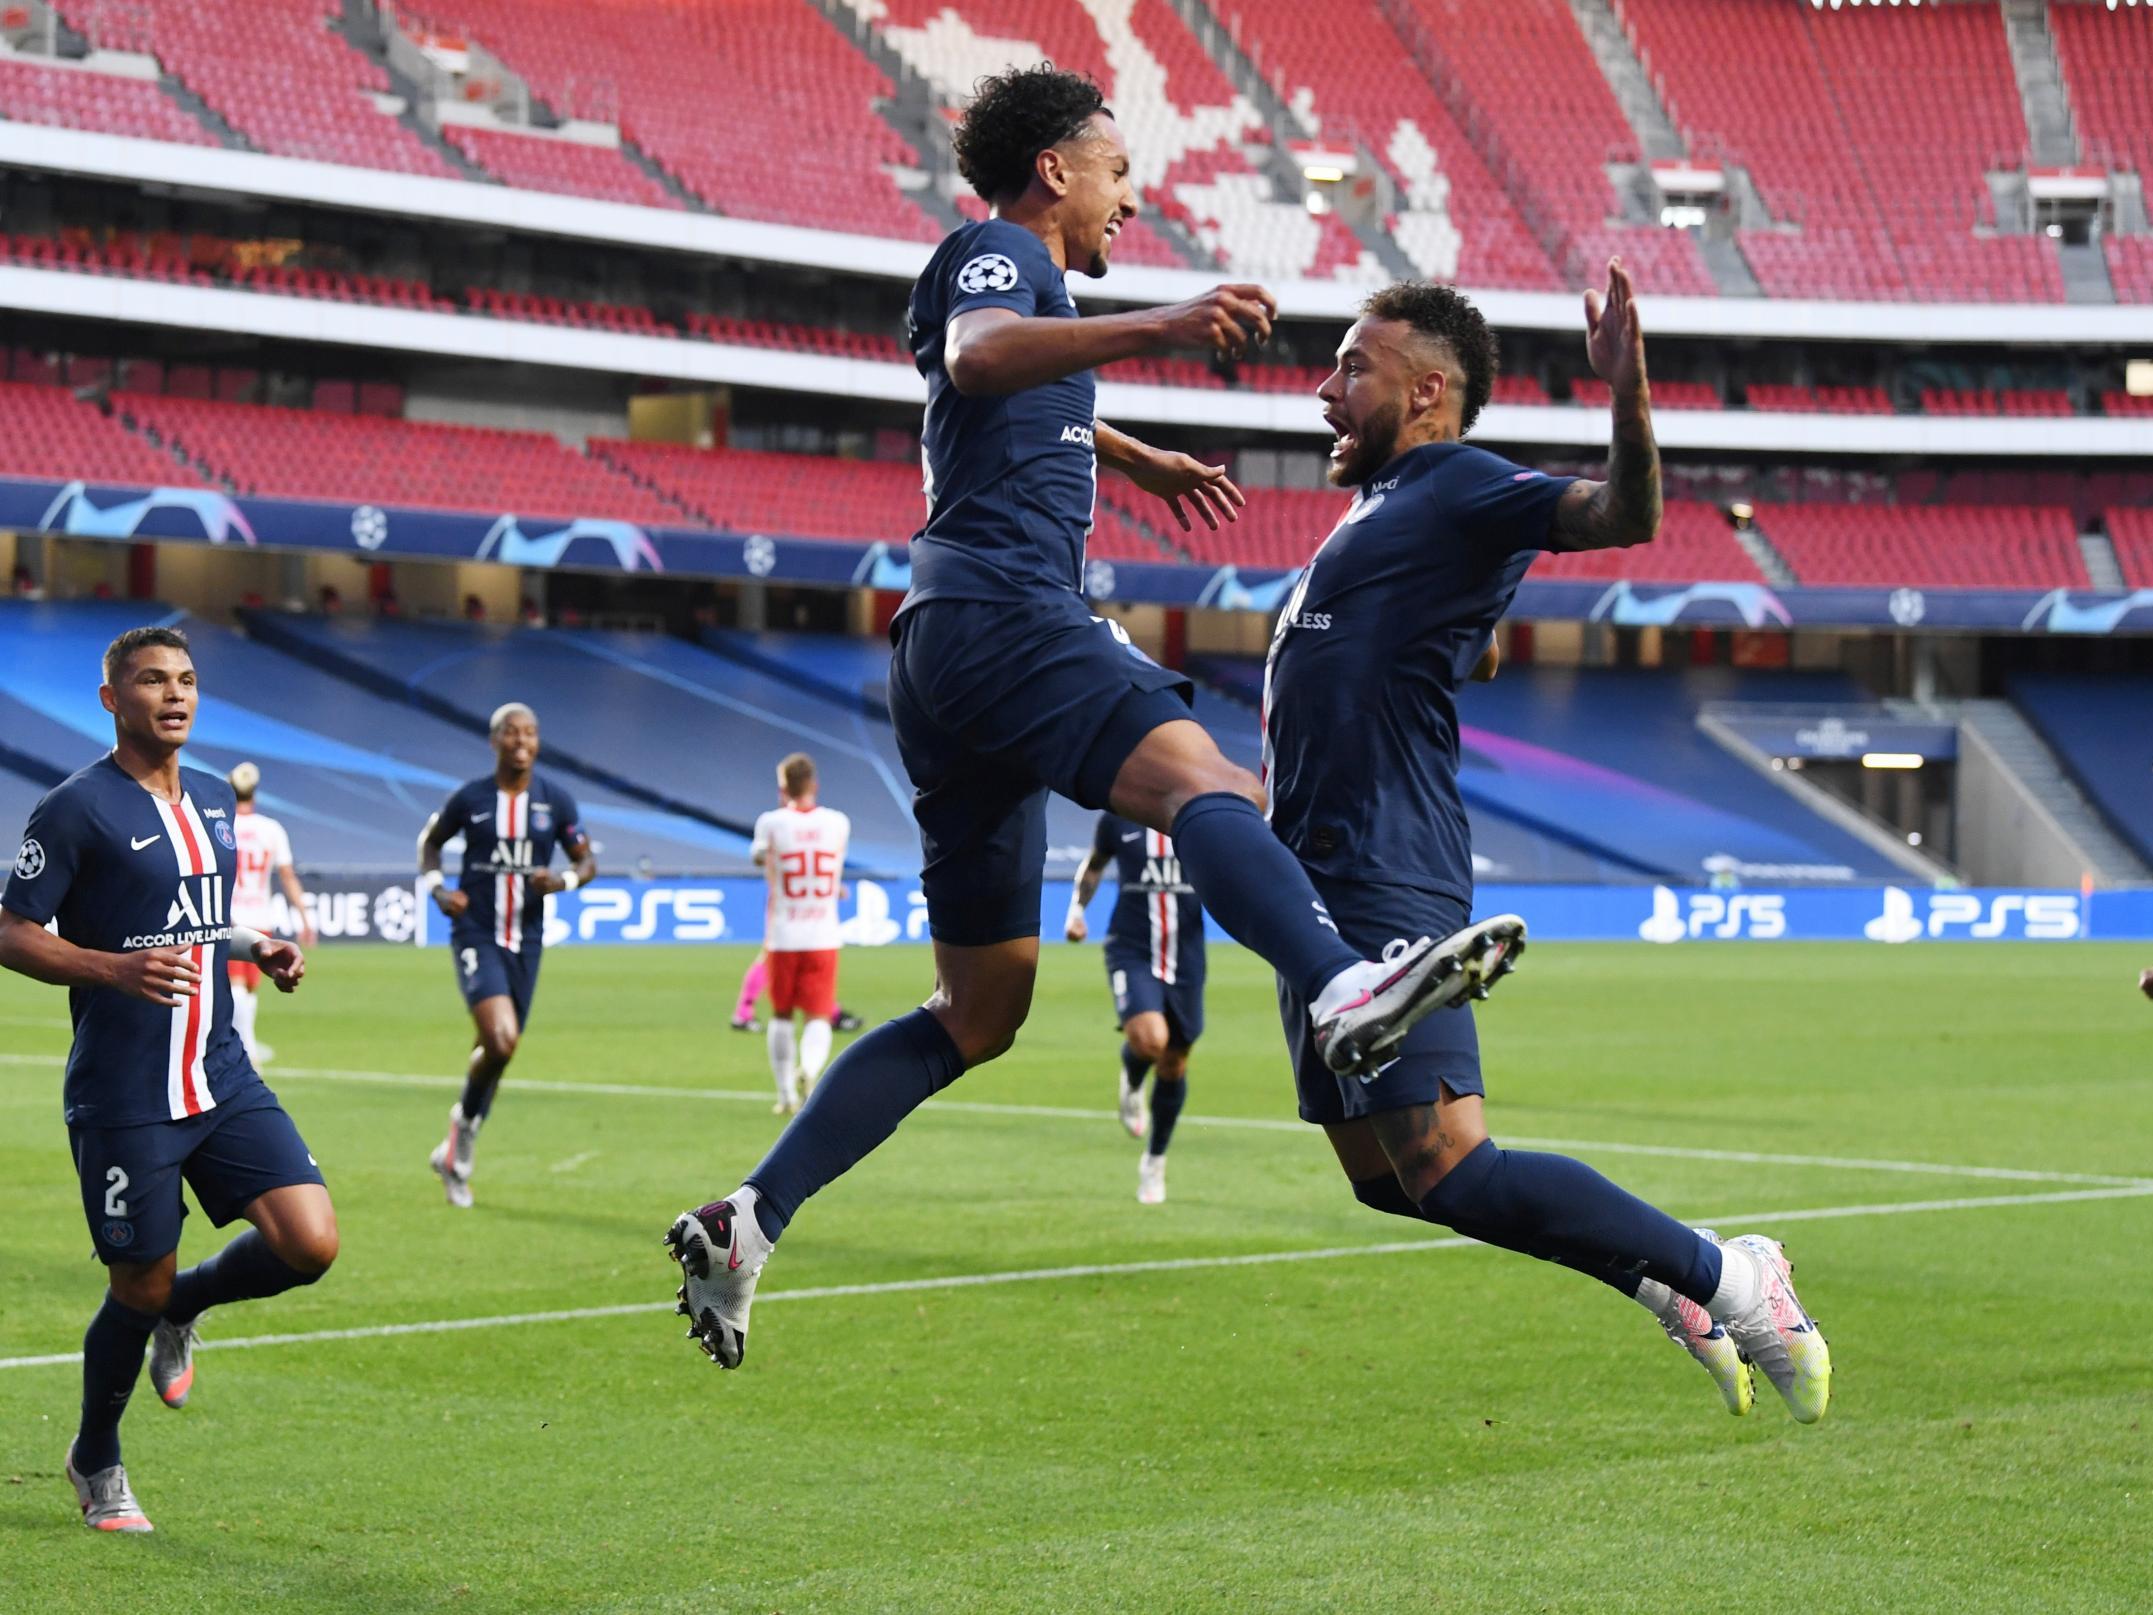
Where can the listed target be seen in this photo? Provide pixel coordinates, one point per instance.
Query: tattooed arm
(1625, 509)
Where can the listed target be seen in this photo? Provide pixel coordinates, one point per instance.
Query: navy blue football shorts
(1443, 1051)
(229, 1156)
(995, 704)
(487, 970)
(1137, 991)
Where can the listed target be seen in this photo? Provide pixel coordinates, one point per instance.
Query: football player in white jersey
(264, 851)
(800, 848)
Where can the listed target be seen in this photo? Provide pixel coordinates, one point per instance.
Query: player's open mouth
(1342, 436)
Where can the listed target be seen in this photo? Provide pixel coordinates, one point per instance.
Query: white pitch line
(1035, 1275)
(1267, 1124)
(1245, 1122)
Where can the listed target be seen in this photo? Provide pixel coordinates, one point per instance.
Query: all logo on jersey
(30, 862)
(514, 853)
(989, 272)
(224, 835)
(200, 902)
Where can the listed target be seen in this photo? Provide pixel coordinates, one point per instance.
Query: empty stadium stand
(303, 454)
(1544, 113)
(47, 432)
(1991, 401)
(278, 71)
(2130, 530)
(571, 167)
(352, 773)
(2107, 60)
(1869, 133)
(2097, 727)
(1596, 394)
(707, 734)
(1695, 543)
(1931, 546)
(760, 108)
(69, 97)
(1356, 83)
(1815, 400)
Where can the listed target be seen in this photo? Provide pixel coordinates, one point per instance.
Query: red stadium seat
(1931, 546)
(48, 432)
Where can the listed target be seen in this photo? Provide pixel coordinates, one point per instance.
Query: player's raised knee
(500, 1042)
(312, 1248)
(145, 1289)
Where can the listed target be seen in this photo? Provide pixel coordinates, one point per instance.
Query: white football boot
(451, 1159)
(1776, 1334)
(172, 1361)
(1689, 1326)
(721, 1251)
(108, 1503)
(1150, 1179)
(1366, 1013)
(1135, 1110)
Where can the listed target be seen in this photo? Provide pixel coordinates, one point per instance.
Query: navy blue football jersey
(1156, 915)
(1360, 690)
(120, 869)
(509, 836)
(1010, 480)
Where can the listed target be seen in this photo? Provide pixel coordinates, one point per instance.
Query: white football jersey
(803, 852)
(264, 849)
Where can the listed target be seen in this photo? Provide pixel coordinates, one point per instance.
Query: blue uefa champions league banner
(883, 913)
(590, 543)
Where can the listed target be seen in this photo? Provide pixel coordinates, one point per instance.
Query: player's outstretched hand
(2145, 982)
(1614, 336)
(282, 962)
(1226, 320)
(1176, 478)
(450, 901)
(162, 975)
(1076, 931)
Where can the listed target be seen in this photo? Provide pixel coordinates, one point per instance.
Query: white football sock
(1655, 1297)
(1741, 1284)
(814, 1051)
(463, 1138)
(244, 1008)
(781, 1056)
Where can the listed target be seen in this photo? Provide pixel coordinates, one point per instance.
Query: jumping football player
(511, 822)
(1005, 686)
(264, 851)
(133, 859)
(1155, 966)
(800, 848)
(1396, 608)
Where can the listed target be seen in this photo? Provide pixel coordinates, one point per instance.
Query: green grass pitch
(1361, 1430)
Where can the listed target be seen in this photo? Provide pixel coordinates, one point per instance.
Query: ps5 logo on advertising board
(1939, 916)
(1760, 916)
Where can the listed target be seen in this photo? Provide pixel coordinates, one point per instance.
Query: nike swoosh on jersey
(144, 842)
(1132, 835)
(480, 818)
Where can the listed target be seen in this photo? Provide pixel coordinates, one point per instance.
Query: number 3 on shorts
(470, 963)
(115, 1190)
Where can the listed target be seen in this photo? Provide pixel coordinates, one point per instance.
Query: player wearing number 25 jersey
(801, 848)
(511, 821)
(132, 862)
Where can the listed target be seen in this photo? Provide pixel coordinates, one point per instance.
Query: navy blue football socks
(1561, 1210)
(1387, 1194)
(1167, 1099)
(875, 1084)
(1258, 890)
(112, 1350)
(1134, 1068)
(245, 1270)
(478, 1095)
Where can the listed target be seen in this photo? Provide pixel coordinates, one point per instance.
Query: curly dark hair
(122, 649)
(1014, 116)
(1443, 314)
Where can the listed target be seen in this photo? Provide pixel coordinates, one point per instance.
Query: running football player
(1394, 611)
(265, 851)
(511, 822)
(1155, 966)
(132, 862)
(800, 848)
(1004, 685)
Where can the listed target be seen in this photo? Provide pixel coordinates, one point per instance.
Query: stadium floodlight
(1322, 173)
(2138, 378)
(1891, 759)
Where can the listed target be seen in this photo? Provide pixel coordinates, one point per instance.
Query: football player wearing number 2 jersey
(132, 862)
(511, 822)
